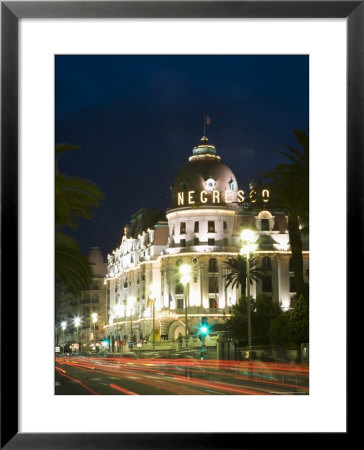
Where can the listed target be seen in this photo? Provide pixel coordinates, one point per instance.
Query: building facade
(91, 304)
(146, 293)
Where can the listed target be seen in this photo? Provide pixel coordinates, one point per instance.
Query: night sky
(137, 119)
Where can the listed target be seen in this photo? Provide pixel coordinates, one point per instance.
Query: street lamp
(131, 302)
(63, 326)
(94, 320)
(185, 271)
(77, 322)
(248, 236)
(117, 311)
(153, 296)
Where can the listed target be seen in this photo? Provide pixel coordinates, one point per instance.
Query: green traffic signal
(204, 329)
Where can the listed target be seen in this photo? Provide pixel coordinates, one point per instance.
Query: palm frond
(72, 267)
(75, 197)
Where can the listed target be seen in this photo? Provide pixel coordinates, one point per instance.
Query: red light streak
(119, 388)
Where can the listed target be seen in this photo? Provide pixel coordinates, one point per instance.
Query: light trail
(166, 374)
(120, 389)
(79, 382)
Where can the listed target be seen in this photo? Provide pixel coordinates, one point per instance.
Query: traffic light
(204, 328)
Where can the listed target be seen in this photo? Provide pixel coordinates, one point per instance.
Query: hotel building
(203, 229)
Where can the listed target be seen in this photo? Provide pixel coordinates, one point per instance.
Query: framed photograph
(134, 84)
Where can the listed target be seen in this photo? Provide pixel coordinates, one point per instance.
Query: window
(264, 224)
(266, 263)
(211, 226)
(267, 283)
(179, 262)
(212, 303)
(292, 285)
(180, 303)
(182, 229)
(212, 265)
(225, 227)
(95, 298)
(195, 279)
(225, 242)
(179, 288)
(197, 227)
(196, 241)
(213, 288)
(211, 242)
(183, 243)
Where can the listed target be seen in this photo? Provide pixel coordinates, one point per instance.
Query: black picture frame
(11, 12)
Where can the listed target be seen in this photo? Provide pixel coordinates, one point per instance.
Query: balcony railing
(200, 310)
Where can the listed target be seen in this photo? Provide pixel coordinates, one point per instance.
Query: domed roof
(205, 172)
(97, 263)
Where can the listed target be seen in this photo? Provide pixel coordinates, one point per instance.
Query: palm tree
(74, 198)
(289, 188)
(237, 272)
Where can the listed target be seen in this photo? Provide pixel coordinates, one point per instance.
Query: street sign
(58, 349)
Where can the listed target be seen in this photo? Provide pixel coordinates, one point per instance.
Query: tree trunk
(296, 249)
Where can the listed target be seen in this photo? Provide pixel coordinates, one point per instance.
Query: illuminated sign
(192, 197)
(253, 195)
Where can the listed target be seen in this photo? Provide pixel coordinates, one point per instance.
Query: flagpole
(204, 124)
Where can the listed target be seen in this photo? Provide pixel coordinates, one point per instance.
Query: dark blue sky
(137, 119)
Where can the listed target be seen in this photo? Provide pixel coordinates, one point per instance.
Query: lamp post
(185, 271)
(77, 322)
(117, 312)
(94, 320)
(64, 326)
(248, 236)
(153, 295)
(131, 302)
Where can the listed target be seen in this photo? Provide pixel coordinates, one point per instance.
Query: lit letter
(265, 195)
(240, 196)
(251, 195)
(226, 197)
(190, 199)
(215, 196)
(180, 198)
(203, 197)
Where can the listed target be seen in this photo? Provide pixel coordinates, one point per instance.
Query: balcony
(200, 310)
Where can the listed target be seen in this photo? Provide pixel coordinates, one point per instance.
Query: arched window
(212, 265)
(266, 263)
(179, 288)
(95, 298)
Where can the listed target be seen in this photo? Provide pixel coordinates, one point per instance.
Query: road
(176, 376)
